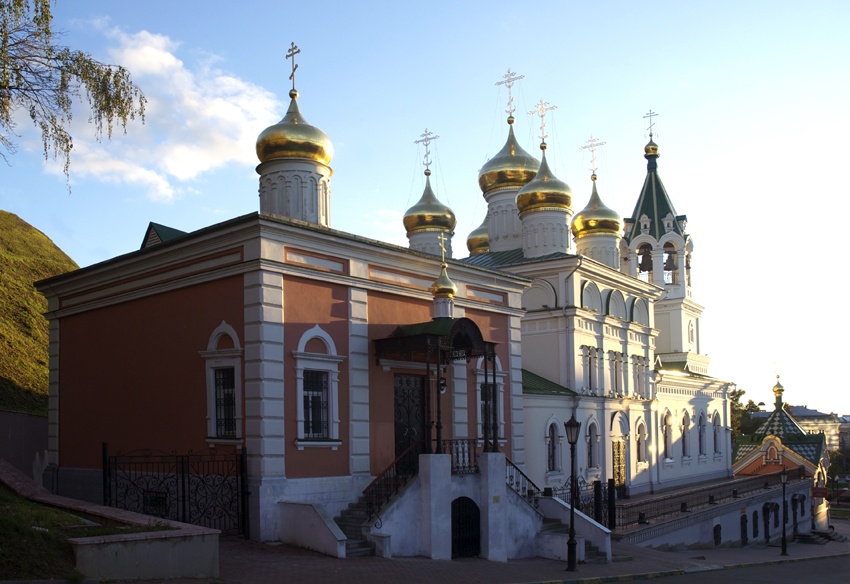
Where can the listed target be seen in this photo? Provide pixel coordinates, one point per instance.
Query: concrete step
(355, 548)
(811, 538)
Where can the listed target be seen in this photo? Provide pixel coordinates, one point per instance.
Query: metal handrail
(519, 481)
(464, 452)
(392, 479)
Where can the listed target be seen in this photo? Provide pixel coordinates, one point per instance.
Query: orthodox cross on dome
(592, 145)
(426, 138)
(650, 115)
(509, 79)
(290, 54)
(541, 110)
(442, 239)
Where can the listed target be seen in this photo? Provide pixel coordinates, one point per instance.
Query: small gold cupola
(596, 218)
(478, 240)
(293, 137)
(429, 214)
(545, 192)
(511, 167)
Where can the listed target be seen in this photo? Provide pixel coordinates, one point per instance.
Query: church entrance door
(409, 412)
(618, 451)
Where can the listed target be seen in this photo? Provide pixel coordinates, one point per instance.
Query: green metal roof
(654, 203)
(157, 234)
(533, 383)
(512, 257)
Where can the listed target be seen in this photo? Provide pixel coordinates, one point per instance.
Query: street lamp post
(783, 476)
(572, 429)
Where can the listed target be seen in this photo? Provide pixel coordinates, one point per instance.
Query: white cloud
(199, 118)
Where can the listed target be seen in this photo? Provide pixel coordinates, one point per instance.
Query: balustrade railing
(637, 512)
(464, 453)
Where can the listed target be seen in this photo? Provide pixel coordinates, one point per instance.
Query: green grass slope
(26, 256)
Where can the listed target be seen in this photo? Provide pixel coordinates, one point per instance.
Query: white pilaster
(358, 375)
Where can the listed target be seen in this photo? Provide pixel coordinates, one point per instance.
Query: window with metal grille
(315, 404)
(225, 403)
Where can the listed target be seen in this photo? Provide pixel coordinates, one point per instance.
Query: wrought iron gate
(206, 488)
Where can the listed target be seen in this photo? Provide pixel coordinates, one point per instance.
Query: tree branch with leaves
(44, 79)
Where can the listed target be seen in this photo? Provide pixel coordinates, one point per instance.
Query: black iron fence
(391, 480)
(206, 488)
(592, 499)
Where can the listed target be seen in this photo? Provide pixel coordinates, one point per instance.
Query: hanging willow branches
(44, 79)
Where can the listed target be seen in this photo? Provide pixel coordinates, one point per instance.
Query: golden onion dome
(293, 137)
(429, 214)
(478, 241)
(545, 192)
(778, 390)
(510, 167)
(596, 218)
(443, 287)
(651, 149)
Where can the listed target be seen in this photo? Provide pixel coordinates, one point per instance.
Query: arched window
(640, 443)
(552, 448)
(717, 440)
(644, 254)
(666, 429)
(686, 431)
(592, 442)
(701, 430)
(317, 401)
(223, 361)
(671, 269)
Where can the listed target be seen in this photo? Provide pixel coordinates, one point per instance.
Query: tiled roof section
(780, 424)
(655, 204)
(512, 257)
(809, 446)
(532, 383)
(157, 234)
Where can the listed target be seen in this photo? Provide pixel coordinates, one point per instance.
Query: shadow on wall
(23, 442)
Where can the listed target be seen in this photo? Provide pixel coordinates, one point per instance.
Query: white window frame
(496, 374)
(222, 359)
(555, 475)
(328, 362)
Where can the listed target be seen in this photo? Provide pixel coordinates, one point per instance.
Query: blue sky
(752, 129)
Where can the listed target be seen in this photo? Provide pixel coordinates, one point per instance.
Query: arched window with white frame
(554, 446)
(701, 431)
(317, 387)
(717, 436)
(666, 431)
(686, 435)
(223, 365)
(592, 445)
(640, 443)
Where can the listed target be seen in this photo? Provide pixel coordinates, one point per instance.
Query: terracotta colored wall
(131, 374)
(386, 312)
(307, 303)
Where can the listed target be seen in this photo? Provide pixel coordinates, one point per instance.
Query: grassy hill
(26, 256)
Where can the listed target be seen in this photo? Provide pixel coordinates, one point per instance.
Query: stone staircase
(351, 521)
(592, 554)
(812, 538)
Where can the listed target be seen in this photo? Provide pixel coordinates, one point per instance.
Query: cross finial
(541, 110)
(426, 138)
(290, 54)
(442, 239)
(592, 145)
(509, 79)
(650, 115)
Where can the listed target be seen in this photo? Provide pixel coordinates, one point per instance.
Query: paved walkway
(250, 562)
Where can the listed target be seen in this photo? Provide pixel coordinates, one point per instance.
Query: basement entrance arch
(466, 528)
